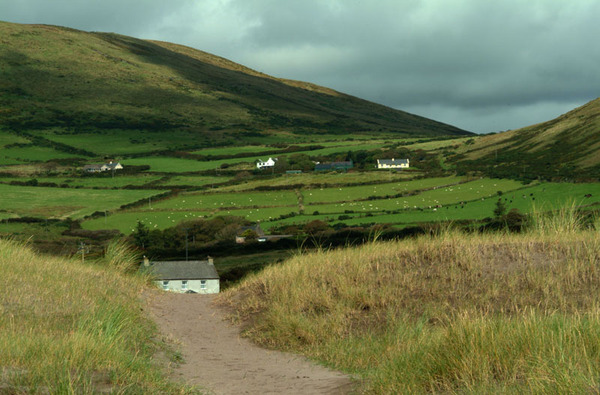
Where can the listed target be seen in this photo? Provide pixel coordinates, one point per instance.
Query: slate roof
(183, 270)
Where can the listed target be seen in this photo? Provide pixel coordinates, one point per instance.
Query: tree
(141, 235)
(500, 209)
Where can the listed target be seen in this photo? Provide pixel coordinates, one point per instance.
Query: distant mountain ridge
(56, 77)
(565, 147)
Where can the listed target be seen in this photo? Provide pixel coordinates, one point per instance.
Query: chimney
(146, 261)
(211, 261)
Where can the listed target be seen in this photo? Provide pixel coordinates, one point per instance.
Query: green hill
(565, 147)
(72, 82)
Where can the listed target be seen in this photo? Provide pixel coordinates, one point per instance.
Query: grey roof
(393, 161)
(183, 270)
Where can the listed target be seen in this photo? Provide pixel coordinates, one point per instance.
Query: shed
(185, 276)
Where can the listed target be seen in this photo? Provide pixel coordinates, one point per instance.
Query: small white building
(269, 163)
(392, 163)
(185, 276)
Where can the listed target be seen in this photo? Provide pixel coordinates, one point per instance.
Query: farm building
(100, 167)
(184, 276)
(392, 163)
(269, 163)
(345, 165)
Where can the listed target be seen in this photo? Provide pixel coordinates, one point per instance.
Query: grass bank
(68, 327)
(451, 313)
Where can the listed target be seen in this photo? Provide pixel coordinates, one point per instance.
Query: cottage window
(165, 284)
(184, 284)
(202, 284)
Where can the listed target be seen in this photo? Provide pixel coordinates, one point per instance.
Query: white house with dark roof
(100, 167)
(392, 163)
(184, 276)
(268, 163)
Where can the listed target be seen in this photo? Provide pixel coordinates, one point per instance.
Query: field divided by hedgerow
(65, 202)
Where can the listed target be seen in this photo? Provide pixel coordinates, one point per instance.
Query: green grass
(34, 154)
(63, 202)
(104, 181)
(454, 313)
(126, 221)
(325, 179)
(179, 165)
(68, 327)
(119, 142)
(234, 150)
(348, 194)
(216, 201)
(194, 180)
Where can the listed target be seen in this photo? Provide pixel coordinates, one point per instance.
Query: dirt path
(218, 359)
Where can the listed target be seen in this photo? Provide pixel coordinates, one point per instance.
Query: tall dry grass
(450, 313)
(66, 327)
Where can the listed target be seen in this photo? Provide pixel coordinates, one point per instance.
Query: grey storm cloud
(478, 64)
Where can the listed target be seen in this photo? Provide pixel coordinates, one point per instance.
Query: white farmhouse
(269, 163)
(184, 276)
(392, 163)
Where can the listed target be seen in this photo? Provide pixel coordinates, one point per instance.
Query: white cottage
(185, 276)
(269, 163)
(392, 163)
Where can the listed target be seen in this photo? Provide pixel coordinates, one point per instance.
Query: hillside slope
(55, 77)
(566, 146)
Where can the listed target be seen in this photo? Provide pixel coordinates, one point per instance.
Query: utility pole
(83, 248)
(186, 244)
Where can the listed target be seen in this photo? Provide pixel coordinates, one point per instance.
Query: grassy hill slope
(558, 148)
(453, 313)
(71, 81)
(68, 327)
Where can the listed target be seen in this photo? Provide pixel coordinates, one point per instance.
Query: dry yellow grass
(450, 313)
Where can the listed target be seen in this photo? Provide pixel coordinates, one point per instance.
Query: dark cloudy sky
(482, 65)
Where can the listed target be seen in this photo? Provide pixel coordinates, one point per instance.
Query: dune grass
(477, 313)
(68, 327)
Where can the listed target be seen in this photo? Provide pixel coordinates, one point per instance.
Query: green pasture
(7, 161)
(217, 201)
(92, 181)
(64, 202)
(180, 165)
(542, 197)
(234, 150)
(194, 180)
(473, 190)
(349, 194)
(117, 142)
(163, 218)
(437, 144)
(8, 138)
(325, 179)
(126, 221)
(34, 154)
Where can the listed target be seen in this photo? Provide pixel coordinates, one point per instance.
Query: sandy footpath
(222, 362)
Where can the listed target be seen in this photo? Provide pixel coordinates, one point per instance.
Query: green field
(311, 178)
(215, 201)
(64, 202)
(103, 181)
(350, 194)
(194, 180)
(119, 142)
